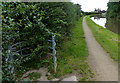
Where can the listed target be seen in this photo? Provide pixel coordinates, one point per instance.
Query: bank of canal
(107, 39)
(99, 21)
(112, 24)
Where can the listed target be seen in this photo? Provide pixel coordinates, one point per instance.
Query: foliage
(34, 75)
(113, 17)
(113, 10)
(27, 27)
(73, 55)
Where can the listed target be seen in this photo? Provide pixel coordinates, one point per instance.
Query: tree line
(113, 10)
(113, 17)
(27, 27)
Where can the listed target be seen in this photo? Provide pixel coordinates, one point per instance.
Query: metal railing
(54, 52)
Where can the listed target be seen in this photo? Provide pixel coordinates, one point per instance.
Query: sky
(90, 5)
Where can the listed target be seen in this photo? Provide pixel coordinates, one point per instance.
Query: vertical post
(0, 42)
(54, 52)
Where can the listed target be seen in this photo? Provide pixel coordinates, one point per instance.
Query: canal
(100, 21)
(111, 24)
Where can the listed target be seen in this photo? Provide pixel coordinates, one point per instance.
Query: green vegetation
(73, 55)
(113, 17)
(113, 10)
(26, 29)
(107, 39)
(34, 76)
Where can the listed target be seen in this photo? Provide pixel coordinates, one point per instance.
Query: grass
(107, 39)
(34, 75)
(73, 55)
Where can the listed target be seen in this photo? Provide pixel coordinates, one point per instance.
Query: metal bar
(54, 52)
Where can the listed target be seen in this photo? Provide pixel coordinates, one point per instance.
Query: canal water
(99, 21)
(111, 24)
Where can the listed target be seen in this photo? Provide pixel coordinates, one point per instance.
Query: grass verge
(73, 55)
(34, 75)
(108, 40)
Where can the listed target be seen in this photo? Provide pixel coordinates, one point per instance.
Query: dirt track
(102, 65)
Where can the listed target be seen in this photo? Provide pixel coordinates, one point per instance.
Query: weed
(34, 75)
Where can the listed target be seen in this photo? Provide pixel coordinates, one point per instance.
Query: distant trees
(27, 27)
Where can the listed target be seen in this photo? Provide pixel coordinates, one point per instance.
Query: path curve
(102, 65)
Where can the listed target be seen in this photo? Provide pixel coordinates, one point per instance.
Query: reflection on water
(113, 25)
(99, 20)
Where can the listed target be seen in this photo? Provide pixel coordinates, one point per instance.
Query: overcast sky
(90, 5)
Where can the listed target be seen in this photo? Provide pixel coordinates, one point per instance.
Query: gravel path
(102, 65)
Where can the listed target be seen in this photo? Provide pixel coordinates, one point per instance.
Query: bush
(27, 27)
